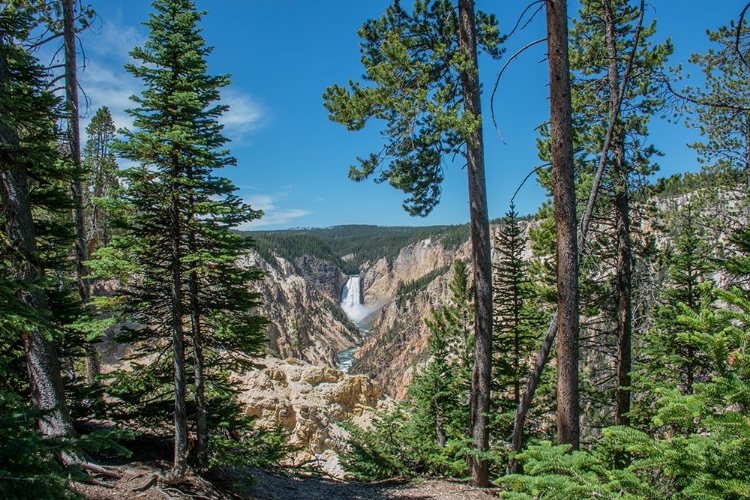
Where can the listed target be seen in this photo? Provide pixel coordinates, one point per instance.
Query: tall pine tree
(615, 64)
(518, 321)
(422, 65)
(184, 286)
(37, 234)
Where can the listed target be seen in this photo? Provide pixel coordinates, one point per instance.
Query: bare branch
(537, 169)
(497, 82)
(740, 22)
(520, 18)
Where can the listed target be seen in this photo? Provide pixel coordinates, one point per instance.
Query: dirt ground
(141, 481)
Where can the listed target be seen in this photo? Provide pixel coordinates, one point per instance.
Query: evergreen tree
(33, 199)
(697, 446)
(614, 64)
(518, 321)
(738, 265)
(102, 182)
(722, 105)
(441, 390)
(666, 360)
(563, 192)
(178, 254)
(423, 67)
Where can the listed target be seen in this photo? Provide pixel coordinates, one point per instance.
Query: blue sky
(293, 162)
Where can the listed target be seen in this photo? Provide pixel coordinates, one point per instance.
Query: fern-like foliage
(698, 444)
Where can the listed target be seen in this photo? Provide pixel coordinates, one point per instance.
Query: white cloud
(272, 215)
(261, 201)
(106, 82)
(244, 115)
(111, 87)
(112, 39)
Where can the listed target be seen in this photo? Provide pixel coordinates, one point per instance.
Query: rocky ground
(140, 481)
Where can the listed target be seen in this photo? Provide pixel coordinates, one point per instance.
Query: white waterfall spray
(351, 300)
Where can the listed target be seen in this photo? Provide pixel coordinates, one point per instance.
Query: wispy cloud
(112, 39)
(272, 214)
(106, 82)
(106, 85)
(244, 116)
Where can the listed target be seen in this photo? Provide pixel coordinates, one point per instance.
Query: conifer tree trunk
(624, 272)
(624, 283)
(178, 338)
(561, 138)
(439, 434)
(41, 354)
(76, 186)
(201, 428)
(480, 239)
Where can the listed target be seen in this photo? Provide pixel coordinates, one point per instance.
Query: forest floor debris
(140, 481)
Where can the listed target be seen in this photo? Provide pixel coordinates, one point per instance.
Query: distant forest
(350, 246)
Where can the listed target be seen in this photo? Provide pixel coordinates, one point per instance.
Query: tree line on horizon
(648, 392)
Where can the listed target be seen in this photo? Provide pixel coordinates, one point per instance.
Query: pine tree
(101, 183)
(441, 390)
(563, 189)
(178, 254)
(722, 105)
(423, 67)
(666, 361)
(518, 321)
(614, 64)
(34, 182)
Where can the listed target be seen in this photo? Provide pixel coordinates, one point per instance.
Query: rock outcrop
(381, 280)
(310, 402)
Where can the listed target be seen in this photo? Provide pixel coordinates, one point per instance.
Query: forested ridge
(594, 349)
(349, 247)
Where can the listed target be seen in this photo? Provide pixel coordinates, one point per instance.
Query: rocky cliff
(408, 287)
(311, 402)
(301, 301)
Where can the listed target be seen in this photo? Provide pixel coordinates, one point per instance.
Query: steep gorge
(302, 301)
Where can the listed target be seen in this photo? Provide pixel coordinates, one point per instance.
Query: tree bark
(528, 396)
(536, 375)
(624, 271)
(76, 186)
(178, 340)
(624, 283)
(561, 138)
(439, 434)
(41, 353)
(196, 313)
(480, 239)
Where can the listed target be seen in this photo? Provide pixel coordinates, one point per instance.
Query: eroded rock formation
(310, 402)
(397, 343)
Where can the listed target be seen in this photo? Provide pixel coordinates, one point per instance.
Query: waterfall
(355, 310)
(351, 300)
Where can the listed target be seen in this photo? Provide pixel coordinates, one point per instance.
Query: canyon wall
(301, 302)
(397, 342)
